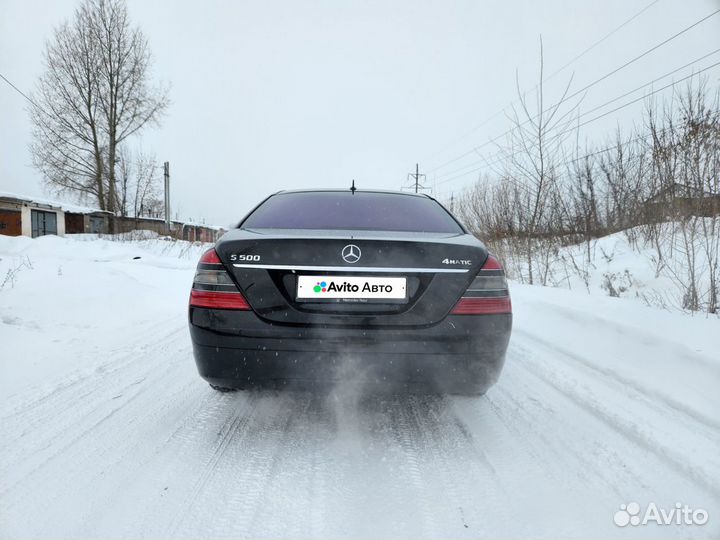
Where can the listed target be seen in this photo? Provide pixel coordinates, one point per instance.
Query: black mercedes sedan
(329, 285)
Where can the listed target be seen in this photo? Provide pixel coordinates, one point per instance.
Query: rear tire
(470, 389)
(223, 389)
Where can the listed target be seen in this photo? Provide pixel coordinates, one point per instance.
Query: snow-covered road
(106, 430)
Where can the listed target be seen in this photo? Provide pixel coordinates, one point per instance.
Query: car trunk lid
(267, 265)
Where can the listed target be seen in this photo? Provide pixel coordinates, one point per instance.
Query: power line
(681, 32)
(645, 96)
(611, 147)
(502, 158)
(597, 152)
(39, 108)
(612, 100)
(23, 94)
(602, 39)
(587, 87)
(565, 66)
(615, 146)
(654, 81)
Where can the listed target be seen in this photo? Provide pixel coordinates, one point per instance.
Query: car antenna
(353, 189)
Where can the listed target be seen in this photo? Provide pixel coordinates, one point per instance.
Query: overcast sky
(272, 95)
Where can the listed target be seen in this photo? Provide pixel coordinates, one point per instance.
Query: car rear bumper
(237, 348)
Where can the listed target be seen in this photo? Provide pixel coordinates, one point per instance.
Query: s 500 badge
(237, 257)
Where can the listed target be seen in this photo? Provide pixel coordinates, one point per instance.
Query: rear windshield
(343, 210)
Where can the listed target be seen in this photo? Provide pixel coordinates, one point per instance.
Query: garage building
(26, 217)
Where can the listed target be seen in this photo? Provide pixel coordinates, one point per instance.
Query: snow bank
(64, 301)
(614, 266)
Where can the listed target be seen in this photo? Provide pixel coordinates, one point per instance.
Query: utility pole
(452, 202)
(166, 169)
(417, 176)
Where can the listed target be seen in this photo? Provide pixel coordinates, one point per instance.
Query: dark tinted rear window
(343, 210)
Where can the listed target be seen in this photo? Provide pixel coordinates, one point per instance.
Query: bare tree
(67, 144)
(147, 188)
(123, 176)
(93, 95)
(683, 222)
(583, 200)
(532, 158)
(659, 185)
(138, 183)
(127, 101)
(699, 149)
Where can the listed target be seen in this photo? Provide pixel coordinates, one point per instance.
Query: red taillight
(210, 257)
(488, 293)
(492, 264)
(213, 288)
(482, 306)
(218, 300)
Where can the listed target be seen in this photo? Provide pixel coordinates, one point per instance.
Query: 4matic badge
(465, 262)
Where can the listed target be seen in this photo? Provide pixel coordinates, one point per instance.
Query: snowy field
(107, 431)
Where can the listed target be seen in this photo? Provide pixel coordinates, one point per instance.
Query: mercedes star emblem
(351, 253)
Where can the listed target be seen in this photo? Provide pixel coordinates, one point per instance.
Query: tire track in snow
(235, 480)
(187, 435)
(186, 403)
(18, 404)
(639, 334)
(669, 402)
(544, 423)
(461, 471)
(66, 448)
(404, 429)
(290, 470)
(637, 435)
(49, 426)
(228, 430)
(52, 408)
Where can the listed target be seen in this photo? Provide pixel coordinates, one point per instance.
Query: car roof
(357, 190)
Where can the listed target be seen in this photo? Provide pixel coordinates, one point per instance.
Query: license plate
(351, 288)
